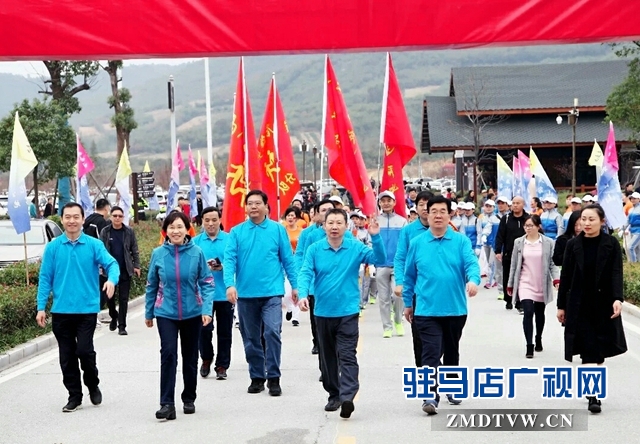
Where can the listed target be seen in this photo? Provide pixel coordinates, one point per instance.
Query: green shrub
(14, 275)
(631, 284)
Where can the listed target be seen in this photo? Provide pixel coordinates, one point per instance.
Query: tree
(123, 119)
(50, 137)
(63, 84)
(623, 104)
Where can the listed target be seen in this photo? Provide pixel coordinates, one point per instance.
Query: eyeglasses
(117, 216)
(529, 226)
(254, 204)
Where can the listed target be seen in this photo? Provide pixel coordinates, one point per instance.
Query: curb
(45, 343)
(631, 309)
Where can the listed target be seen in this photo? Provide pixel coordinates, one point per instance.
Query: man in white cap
(470, 227)
(503, 204)
(573, 204)
(489, 223)
(390, 226)
(551, 220)
(338, 201)
(632, 227)
(587, 199)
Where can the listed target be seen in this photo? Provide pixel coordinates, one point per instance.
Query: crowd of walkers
(333, 262)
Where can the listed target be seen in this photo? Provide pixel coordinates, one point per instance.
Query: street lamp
(572, 120)
(304, 150)
(316, 155)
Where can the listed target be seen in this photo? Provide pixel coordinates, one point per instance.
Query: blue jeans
(254, 315)
(189, 330)
(633, 247)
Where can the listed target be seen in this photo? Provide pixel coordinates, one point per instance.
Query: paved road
(32, 395)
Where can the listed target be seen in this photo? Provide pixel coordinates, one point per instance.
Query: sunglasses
(117, 216)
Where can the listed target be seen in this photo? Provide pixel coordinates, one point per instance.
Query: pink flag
(193, 170)
(204, 174)
(178, 159)
(85, 165)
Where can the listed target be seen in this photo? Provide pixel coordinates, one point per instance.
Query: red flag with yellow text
(346, 165)
(279, 174)
(395, 135)
(243, 170)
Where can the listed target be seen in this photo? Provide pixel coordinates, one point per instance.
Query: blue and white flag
(23, 160)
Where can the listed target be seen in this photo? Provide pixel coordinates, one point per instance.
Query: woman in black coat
(590, 295)
(574, 228)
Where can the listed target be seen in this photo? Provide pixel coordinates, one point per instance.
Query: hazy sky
(36, 68)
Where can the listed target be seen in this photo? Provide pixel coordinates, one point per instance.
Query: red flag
(395, 134)
(345, 159)
(243, 170)
(279, 174)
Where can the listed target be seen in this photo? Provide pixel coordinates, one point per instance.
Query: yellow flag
(23, 160)
(124, 167)
(146, 168)
(198, 163)
(597, 157)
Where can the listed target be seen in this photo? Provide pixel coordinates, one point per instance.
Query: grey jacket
(549, 270)
(131, 255)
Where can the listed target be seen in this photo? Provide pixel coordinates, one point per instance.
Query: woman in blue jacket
(179, 295)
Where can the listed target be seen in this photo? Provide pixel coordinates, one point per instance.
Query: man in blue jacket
(256, 253)
(440, 311)
(69, 270)
(333, 265)
(213, 242)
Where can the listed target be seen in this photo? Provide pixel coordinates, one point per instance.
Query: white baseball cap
(490, 202)
(357, 214)
(503, 200)
(577, 200)
(386, 194)
(635, 195)
(454, 206)
(470, 206)
(336, 199)
(550, 199)
(587, 198)
(595, 198)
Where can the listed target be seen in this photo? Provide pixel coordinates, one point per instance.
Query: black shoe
(189, 408)
(71, 406)
(320, 378)
(520, 311)
(122, 332)
(96, 396)
(295, 323)
(529, 351)
(594, 404)
(257, 386)
(167, 412)
(221, 373)
(453, 401)
(274, 387)
(314, 350)
(113, 324)
(332, 405)
(509, 306)
(347, 409)
(205, 368)
(288, 316)
(539, 344)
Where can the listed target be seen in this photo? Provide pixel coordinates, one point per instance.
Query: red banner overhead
(97, 29)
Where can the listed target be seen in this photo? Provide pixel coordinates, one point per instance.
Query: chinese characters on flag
(346, 165)
(243, 170)
(279, 175)
(395, 134)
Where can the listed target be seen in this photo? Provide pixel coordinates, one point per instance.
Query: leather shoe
(314, 350)
(332, 405)
(221, 373)
(166, 412)
(96, 396)
(347, 409)
(257, 386)
(205, 368)
(274, 386)
(189, 408)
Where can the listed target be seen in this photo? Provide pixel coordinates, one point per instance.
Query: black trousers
(122, 289)
(440, 335)
(417, 342)
(506, 268)
(103, 296)
(532, 308)
(337, 343)
(74, 333)
(189, 331)
(312, 320)
(223, 314)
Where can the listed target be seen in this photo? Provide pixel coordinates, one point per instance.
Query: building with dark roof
(510, 108)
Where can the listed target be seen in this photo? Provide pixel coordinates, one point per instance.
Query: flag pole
(383, 117)
(276, 144)
(26, 260)
(324, 125)
(246, 136)
(207, 100)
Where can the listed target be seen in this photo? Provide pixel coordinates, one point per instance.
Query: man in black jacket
(121, 243)
(511, 227)
(96, 221)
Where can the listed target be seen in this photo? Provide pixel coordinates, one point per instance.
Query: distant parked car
(12, 245)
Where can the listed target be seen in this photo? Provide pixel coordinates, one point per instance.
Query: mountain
(300, 82)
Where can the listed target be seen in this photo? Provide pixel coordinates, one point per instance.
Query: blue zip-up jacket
(469, 227)
(70, 270)
(214, 248)
(408, 233)
(565, 219)
(390, 226)
(437, 271)
(179, 283)
(489, 227)
(633, 219)
(552, 224)
(336, 274)
(254, 258)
